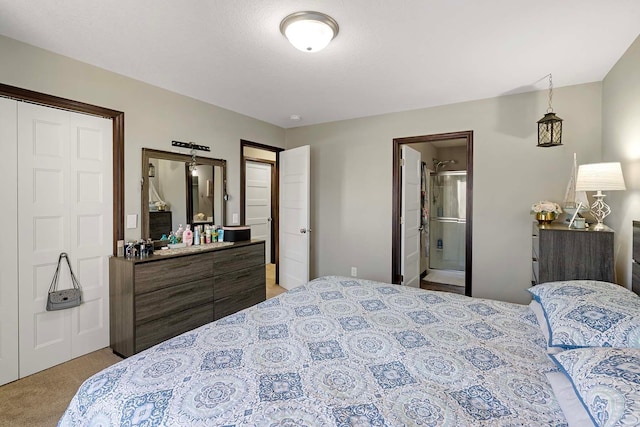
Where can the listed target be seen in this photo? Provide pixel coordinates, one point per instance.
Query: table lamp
(600, 177)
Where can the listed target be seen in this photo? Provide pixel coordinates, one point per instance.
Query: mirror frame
(149, 153)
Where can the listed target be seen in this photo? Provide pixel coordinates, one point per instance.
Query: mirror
(174, 194)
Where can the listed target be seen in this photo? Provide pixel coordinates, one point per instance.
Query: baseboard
(423, 274)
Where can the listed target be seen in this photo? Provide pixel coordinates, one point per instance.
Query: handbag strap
(54, 281)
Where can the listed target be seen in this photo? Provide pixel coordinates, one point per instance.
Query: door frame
(397, 201)
(275, 195)
(117, 119)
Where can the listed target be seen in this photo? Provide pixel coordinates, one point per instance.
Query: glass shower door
(448, 220)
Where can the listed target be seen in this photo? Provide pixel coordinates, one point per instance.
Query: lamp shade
(600, 177)
(309, 31)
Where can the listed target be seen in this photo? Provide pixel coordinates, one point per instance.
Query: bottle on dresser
(187, 236)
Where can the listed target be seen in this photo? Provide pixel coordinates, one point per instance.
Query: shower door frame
(397, 201)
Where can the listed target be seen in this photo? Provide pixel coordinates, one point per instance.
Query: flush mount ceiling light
(309, 31)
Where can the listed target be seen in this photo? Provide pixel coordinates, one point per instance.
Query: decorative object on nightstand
(600, 177)
(545, 211)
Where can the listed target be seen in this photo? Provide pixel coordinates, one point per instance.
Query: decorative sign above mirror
(179, 194)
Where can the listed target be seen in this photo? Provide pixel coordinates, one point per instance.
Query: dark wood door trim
(275, 195)
(117, 118)
(397, 200)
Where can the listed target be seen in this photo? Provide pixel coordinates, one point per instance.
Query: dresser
(562, 253)
(156, 298)
(635, 264)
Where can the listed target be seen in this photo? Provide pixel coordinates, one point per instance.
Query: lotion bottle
(187, 236)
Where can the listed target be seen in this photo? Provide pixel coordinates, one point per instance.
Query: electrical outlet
(235, 218)
(354, 271)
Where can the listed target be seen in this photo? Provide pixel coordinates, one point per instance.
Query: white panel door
(258, 203)
(410, 217)
(65, 205)
(91, 228)
(294, 216)
(8, 254)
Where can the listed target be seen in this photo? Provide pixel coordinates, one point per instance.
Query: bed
(345, 352)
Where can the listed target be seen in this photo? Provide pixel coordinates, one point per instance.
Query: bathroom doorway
(259, 203)
(445, 210)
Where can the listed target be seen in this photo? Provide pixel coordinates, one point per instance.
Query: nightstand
(562, 253)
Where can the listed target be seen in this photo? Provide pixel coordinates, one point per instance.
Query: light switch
(236, 219)
(132, 221)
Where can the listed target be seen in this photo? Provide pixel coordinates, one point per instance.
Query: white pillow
(607, 382)
(572, 407)
(544, 326)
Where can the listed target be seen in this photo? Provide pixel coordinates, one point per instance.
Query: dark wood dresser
(635, 263)
(156, 298)
(562, 253)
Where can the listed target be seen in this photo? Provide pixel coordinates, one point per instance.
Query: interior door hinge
(401, 162)
(401, 279)
(401, 220)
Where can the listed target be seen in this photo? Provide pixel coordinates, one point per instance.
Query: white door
(257, 206)
(64, 205)
(294, 216)
(410, 218)
(8, 253)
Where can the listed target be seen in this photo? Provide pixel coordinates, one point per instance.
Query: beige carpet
(41, 399)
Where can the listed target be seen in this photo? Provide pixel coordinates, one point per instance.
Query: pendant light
(309, 31)
(550, 126)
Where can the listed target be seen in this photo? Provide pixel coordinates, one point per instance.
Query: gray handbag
(66, 298)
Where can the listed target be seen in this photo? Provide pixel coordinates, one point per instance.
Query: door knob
(303, 230)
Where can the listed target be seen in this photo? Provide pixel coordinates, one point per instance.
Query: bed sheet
(337, 352)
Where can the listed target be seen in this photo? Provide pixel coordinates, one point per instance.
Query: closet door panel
(91, 213)
(43, 224)
(8, 253)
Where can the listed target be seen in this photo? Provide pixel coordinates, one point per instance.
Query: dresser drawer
(240, 301)
(535, 272)
(239, 281)
(160, 274)
(156, 331)
(635, 278)
(225, 261)
(157, 304)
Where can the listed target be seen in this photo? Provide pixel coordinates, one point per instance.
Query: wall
(153, 116)
(621, 143)
(351, 167)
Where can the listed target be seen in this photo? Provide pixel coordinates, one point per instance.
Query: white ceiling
(389, 56)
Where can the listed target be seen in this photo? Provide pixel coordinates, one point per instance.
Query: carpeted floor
(41, 399)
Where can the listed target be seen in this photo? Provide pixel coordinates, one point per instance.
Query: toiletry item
(172, 238)
(220, 235)
(149, 247)
(196, 237)
(120, 245)
(187, 236)
(180, 232)
(207, 234)
(579, 223)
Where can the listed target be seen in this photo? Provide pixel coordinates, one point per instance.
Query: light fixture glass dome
(309, 31)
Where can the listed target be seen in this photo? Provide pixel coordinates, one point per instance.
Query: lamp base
(600, 210)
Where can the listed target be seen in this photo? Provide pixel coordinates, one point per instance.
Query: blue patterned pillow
(588, 313)
(607, 382)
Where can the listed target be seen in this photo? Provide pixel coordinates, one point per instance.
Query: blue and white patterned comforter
(337, 352)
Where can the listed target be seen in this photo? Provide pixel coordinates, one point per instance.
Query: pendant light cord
(550, 109)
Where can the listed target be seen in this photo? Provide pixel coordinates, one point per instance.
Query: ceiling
(389, 56)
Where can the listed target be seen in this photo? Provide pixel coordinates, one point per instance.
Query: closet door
(8, 253)
(64, 205)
